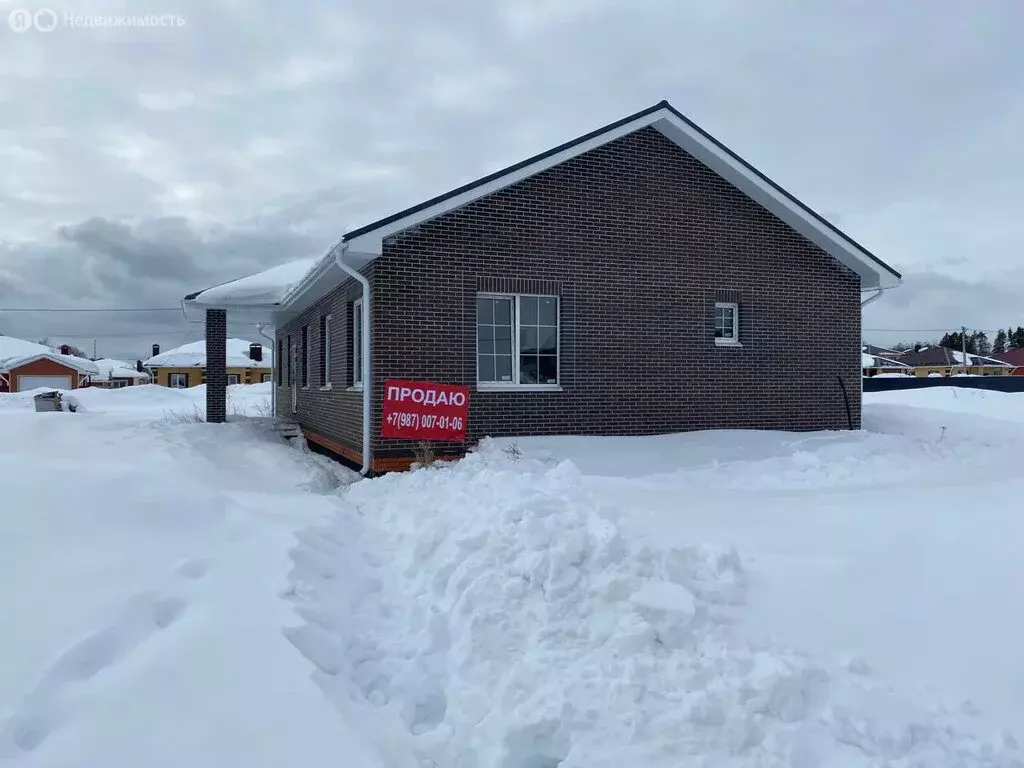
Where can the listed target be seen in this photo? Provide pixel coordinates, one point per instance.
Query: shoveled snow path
(492, 615)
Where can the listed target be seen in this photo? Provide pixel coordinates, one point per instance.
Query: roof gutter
(869, 299)
(273, 368)
(339, 259)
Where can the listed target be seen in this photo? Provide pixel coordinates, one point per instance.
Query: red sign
(423, 410)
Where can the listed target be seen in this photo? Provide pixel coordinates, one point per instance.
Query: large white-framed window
(517, 338)
(727, 323)
(357, 343)
(178, 381)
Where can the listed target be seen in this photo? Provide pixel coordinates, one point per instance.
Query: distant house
(942, 361)
(1013, 357)
(25, 365)
(886, 352)
(185, 366)
(873, 364)
(115, 374)
(639, 279)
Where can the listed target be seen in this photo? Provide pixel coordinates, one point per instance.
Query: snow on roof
(15, 352)
(267, 287)
(194, 356)
(11, 347)
(77, 363)
(876, 361)
(118, 369)
(958, 355)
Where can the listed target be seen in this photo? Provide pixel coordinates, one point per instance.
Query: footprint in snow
(142, 616)
(195, 568)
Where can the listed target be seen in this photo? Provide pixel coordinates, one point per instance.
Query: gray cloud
(140, 164)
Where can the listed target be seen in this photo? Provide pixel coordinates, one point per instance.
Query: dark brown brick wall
(216, 362)
(639, 240)
(336, 412)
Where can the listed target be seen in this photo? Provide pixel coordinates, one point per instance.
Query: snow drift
(495, 616)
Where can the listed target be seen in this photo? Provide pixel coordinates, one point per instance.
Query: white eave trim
(15, 363)
(703, 148)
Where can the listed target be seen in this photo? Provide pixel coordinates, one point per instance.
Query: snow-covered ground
(142, 557)
(177, 593)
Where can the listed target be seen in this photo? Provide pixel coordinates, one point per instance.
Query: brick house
(640, 279)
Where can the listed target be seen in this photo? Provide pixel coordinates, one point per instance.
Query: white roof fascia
(84, 367)
(698, 144)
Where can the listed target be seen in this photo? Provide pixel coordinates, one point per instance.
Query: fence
(996, 383)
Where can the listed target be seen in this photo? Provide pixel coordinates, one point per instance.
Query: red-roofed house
(1014, 357)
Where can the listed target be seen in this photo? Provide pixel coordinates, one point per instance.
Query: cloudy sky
(138, 164)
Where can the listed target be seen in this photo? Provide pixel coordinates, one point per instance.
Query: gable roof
(687, 135)
(15, 353)
(79, 364)
(1011, 356)
(193, 355)
(872, 349)
(11, 347)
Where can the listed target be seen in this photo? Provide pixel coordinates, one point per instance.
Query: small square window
(727, 323)
(232, 379)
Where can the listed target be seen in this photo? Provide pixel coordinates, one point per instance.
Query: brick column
(216, 366)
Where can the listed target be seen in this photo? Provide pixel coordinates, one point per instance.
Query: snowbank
(494, 614)
(193, 355)
(267, 287)
(998, 407)
(147, 402)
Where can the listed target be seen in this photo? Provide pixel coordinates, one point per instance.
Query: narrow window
(357, 343)
(291, 353)
(517, 340)
(279, 362)
(305, 355)
(727, 325)
(325, 350)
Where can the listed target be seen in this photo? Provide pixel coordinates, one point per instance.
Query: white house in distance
(185, 366)
(115, 374)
